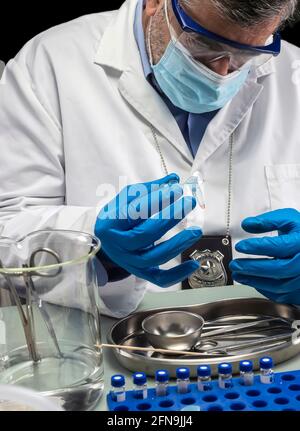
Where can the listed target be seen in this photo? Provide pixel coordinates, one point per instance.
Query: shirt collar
(139, 35)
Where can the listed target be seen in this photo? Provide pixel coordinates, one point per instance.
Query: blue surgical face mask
(192, 86)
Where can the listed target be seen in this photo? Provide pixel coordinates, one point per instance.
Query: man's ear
(152, 6)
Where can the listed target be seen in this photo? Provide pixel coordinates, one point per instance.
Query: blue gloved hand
(131, 224)
(277, 278)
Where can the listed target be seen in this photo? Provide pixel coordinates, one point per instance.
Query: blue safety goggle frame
(189, 25)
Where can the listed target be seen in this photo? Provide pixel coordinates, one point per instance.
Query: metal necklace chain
(230, 179)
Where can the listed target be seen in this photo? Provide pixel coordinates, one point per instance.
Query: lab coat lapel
(147, 102)
(118, 50)
(230, 117)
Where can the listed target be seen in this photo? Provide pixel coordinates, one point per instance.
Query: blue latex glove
(278, 278)
(129, 241)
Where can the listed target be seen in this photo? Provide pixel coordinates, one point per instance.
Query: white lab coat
(75, 113)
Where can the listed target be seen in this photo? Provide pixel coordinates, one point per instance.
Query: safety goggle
(207, 47)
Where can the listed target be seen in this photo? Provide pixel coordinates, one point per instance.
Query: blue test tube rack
(282, 395)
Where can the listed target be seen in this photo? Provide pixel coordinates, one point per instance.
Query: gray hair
(253, 12)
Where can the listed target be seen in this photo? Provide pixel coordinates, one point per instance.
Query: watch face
(211, 272)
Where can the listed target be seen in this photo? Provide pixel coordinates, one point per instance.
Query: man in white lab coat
(127, 97)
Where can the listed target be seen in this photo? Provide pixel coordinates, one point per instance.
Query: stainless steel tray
(129, 332)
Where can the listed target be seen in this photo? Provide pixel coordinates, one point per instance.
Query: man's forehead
(208, 15)
(199, 8)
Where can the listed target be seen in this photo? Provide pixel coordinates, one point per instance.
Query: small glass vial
(183, 380)
(118, 391)
(225, 376)
(246, 373)
(140, 386)
(162, 378)
(204, 378)
(266, 370)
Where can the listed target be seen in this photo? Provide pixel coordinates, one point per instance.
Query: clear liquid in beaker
(75, 381)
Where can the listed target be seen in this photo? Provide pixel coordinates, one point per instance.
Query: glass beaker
(49, 316)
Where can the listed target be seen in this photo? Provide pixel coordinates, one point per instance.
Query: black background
(19, 22)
